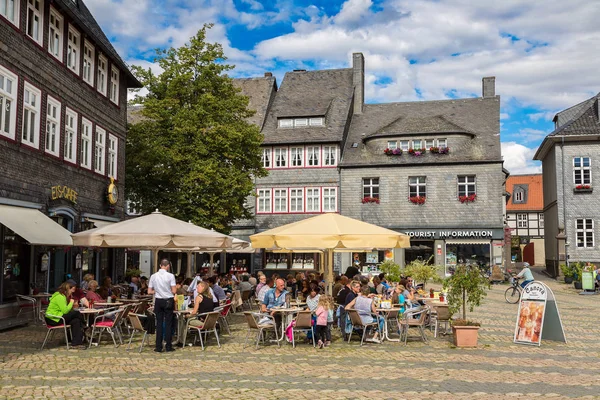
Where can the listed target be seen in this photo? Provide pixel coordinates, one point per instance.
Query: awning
(34, 226)
(98, 223)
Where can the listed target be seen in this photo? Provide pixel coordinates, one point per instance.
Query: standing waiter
(162, 285)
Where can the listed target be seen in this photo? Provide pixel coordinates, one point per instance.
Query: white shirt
(263, 291)
(161, 282)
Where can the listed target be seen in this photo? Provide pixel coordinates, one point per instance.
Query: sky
(543, 53)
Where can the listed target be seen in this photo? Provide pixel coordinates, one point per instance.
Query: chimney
(488, 85)
(358, 79)
(268, 74)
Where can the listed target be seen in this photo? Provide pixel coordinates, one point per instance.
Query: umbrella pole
(155, 260)
(329, 271)
(210, 267)
(188, 272)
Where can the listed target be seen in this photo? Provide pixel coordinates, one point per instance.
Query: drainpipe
(562, 155)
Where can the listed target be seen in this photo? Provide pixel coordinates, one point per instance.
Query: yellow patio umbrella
(328, 232)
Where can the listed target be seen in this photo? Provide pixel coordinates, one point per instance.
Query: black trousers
(163, 308)
(322, 333)
(75, 319)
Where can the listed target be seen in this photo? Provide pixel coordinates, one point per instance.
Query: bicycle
(512, 295)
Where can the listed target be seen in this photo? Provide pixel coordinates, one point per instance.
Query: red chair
(51, 328)
(102, 323)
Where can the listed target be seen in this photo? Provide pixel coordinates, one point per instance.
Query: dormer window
(300, 122)
(520, 194)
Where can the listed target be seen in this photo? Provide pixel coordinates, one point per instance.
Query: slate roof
(535, 192)
(260, 92)
(325, 93)
(475, 120)
(87, 23)
(573, 112)
(584, 122)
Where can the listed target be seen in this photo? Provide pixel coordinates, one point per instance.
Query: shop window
(371, 187)
(15, 268)
(466, 185)
(582, 173)
(468, 253)
(585, 233)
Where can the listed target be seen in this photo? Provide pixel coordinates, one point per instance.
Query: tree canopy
(192, 154)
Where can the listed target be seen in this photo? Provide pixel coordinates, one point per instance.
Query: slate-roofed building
(525, 217)
(63, 92)
(569, 158)
(432, 169)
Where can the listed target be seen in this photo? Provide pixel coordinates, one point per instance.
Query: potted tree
(467, 287)
(391, 270)
(422, 271)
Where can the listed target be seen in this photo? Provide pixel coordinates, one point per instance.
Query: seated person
(92, 295)
(265, 288)
(78, 295)
(245, 285)
(202, 304)
(312, 301)
(398, 297)
(143, 285)
(61, 305)
(366, 308)
(526, 275)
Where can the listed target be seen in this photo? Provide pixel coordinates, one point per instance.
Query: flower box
(417, 199)
(467, 199)
(366, 200)
(583, 189)
(439, 150)
(393, 152)
(416, 152)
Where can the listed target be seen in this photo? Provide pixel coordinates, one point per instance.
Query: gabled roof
(86, 22)
(325, 93)
(584, 125)
(260, 92)
(535, 192)
(476, 119)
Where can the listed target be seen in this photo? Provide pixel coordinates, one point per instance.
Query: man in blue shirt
(275, 297)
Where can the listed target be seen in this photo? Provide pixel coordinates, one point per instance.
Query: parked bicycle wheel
(512, 295)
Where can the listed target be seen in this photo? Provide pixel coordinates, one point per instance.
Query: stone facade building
(525, 218)
(569, 158)
(432, 169)
(63, 92)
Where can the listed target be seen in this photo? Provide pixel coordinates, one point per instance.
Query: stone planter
(465, 336)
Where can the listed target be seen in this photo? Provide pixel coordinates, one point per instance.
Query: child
(330, 312)
(322, 313)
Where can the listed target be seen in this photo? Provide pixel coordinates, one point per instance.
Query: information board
(538, 317)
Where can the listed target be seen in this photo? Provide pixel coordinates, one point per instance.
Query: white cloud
(504, 116)
(518, 159)
(528, 135)
(544, 116)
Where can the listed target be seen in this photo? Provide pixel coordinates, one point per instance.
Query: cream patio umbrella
(154, 231)
(329, 232)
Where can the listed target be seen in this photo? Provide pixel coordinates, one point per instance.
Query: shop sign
(63, 192)
(455, 234)
(44, 262)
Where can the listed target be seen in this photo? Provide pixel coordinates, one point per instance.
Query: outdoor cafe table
(180, 314)
(113, 304)
(386, 311)
(89, 313)
(38, 303)
(286, 318)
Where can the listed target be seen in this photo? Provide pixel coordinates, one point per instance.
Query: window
(31, 115)
(466, 185)
(582, 173)
(101, 82)
(404, 145)
(371, 187)
(280, 200)
(113, 150)
(86, 143)
(329, 156)
(541, 220)
(8, 98)
(281, 157)
(114, 85)
(70, 136)
(88, 63)
(99, 150)
(442, 143)
(55, 34)
(518, 196)
(73, 50)
(316, 121)
(585, 232)
(521, 220)
(417, 144)
(313, 197)
(300, 122)
(329, 199)
(264, 200)
(35, 12)
(429, 143)
(312, 156)
(417, 186)
(297, 156)
(265, 158)
(9, 9)
(296, 200)
(53, 126)
(392, 144)
(286, 123)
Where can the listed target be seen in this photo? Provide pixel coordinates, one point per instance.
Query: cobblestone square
(496, 369)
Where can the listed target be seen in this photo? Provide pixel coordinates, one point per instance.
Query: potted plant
(366, 200)
(568, 271)
(467, 199)
(577, 273)
(392, 271)
(417, 199)
(421, 271)
(466, 287)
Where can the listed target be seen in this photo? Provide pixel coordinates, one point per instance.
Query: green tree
(193, 154)
(467, 286)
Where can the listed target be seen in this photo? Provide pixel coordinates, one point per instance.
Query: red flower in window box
(439, 150)
(583, 187)
(366, 200)
(394, 152)
(416, 152)
(417, 199)
(467, 199)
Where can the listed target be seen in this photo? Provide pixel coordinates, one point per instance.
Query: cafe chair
(137, 326)
(303, 323)
(27, 305)
(260, 323)
(442, 317)
(50, 329)
(224, 315)
(208, 325)
(413, 319)
(246, 301)
(358, 324)
(103, 324)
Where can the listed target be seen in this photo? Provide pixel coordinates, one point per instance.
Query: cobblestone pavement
(497, 369)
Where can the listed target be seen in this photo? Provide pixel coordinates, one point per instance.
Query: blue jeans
(163, 308)
(525, 283)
